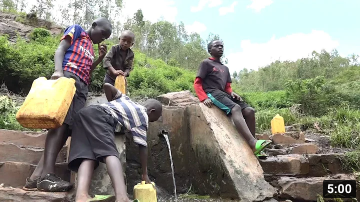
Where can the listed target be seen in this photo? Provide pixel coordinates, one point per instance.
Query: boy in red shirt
(212, 86)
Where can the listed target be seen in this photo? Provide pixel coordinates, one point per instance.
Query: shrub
(314, 95)
(39, 34)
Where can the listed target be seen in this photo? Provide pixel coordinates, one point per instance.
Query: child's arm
(202, 73)
(102, 53)
(229, 90)
(107, 62)
(143, 160)
(59, 57)
(129, 67)
(111, 92)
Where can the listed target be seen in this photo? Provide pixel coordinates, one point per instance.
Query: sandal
(103, 198)
(261, 145)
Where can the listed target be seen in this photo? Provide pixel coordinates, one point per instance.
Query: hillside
(321, 94)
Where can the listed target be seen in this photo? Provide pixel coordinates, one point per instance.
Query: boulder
(232, 168)
(17, 194)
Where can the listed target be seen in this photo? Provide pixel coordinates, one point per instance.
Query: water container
(120, 84)
(277, 125)
(145, 192)
(47, 103)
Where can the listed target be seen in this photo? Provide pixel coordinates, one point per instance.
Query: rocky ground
(299, 161)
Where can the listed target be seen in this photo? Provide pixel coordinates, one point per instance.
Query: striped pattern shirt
(79, 57)
(130, 115)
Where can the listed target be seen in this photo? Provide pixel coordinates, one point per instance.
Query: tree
(8, 5)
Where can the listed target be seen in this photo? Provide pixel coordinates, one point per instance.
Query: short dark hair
(210, 44)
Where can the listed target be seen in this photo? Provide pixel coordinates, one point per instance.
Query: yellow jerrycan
(120, 84)
(47, 103)
(145, 192)
(277, 125)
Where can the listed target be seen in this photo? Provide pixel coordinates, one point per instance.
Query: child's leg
(55, 140)
(50, 152)
(249, 115)
(84, 178)
(117, 178)
(39, 168)
(225, 103)
(242, 127)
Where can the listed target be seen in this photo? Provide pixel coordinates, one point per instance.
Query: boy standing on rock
(119, 60)
(93, 140)
(213, 86)
(74, 58)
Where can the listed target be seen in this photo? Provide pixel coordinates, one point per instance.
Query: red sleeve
(228, 88)
(199, 89)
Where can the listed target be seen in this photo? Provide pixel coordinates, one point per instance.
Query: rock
(301, 188)
(289, 138)
(12, 152)
(9, 24)
(262, 136)
(181, 99)
(15, 173)
(276, 152)
(23, 138)
(305, 188)
(285, 165)
(16, 194)
(309, 140)
(101, 182)
(95, 100)
(325, 164)
(290, 128)
(304, 149)
(175, 121)
(25, 146)
(225, 156)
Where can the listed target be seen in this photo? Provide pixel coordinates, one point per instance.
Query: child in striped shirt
(93, 139)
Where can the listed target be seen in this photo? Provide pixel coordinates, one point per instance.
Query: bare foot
(82, 198)
(125, 199)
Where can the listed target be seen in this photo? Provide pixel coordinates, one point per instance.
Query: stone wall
(209, 155)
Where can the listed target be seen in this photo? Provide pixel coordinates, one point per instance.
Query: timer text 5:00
(339, 189)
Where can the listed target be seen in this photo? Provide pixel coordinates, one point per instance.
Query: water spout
(164, 133)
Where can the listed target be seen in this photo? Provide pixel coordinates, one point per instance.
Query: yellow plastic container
(120, 84)
(277, 125)
(145, 192)
(47, 103)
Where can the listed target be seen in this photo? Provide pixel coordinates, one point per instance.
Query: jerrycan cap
(143, 183)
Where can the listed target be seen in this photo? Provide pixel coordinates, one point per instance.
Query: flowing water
(172, 164)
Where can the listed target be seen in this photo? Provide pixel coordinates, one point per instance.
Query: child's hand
(56, 75)
(102, 50)
(236, 96)
(116, 73)
(208, 102)
(145, 177)
(119, 72)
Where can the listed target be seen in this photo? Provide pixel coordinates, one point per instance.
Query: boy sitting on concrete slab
(93, 139)
(213, 86)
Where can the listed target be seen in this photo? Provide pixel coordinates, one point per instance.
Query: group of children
(92, 128)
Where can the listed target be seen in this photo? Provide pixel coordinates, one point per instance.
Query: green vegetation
(8, 110)
(322, 89)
